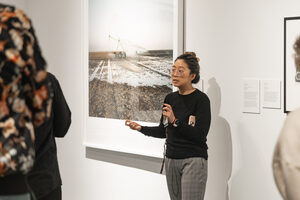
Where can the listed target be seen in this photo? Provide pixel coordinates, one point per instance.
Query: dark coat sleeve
(61, 110)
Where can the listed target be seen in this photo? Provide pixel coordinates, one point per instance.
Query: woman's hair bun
(192, 54)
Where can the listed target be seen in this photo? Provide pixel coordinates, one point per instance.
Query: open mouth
(175, 81)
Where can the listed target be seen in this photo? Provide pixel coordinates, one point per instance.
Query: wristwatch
(176, 123)
(297, 77)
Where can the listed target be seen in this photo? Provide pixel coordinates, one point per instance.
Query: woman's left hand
(168, 112)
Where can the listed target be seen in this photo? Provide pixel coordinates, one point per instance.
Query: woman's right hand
(133, 125)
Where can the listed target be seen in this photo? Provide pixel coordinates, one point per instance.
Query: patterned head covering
(25, 96)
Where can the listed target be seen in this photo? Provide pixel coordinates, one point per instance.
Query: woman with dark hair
(185, 123)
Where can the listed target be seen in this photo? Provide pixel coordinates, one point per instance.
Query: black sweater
(185, 141)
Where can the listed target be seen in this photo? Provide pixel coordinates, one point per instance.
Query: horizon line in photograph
(130, 55)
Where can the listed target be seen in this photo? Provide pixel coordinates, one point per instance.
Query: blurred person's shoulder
(291, 126)
(296, 111)
(52, 79)
(50, 76)
(294, 116)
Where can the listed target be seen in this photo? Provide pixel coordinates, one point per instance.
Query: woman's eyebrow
(180, 66)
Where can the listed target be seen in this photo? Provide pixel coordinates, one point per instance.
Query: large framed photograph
(129, 48)
(291, 63)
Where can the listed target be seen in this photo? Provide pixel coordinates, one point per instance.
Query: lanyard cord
(164, 157)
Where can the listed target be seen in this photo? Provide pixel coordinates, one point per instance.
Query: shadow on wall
(147, 163)
(220, 147)
(251, 179)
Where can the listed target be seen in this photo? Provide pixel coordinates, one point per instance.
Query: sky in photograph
(139, 24)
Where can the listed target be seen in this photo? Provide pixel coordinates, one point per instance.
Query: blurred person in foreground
(26, 100)
(44, 179)
(286, 159)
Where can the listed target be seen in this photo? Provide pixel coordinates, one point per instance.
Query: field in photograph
(129, 87)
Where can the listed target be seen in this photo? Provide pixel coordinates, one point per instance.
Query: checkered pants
(186, 178)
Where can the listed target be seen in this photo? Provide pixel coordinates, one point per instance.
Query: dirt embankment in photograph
(121, 101)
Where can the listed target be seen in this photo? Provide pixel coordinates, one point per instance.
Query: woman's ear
(193, 76)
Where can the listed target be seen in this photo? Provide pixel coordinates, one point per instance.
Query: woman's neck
(185, 90)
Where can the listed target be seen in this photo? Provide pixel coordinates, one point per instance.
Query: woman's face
(297, 54)
(180, 73)
(297, 62)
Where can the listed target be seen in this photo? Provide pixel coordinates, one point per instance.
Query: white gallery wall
(19, 3)
(240, 39)
(235, 39)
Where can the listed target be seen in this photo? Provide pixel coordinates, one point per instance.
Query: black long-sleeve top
(185, 141)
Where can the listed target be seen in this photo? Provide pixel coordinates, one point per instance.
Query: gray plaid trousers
(186, 178)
